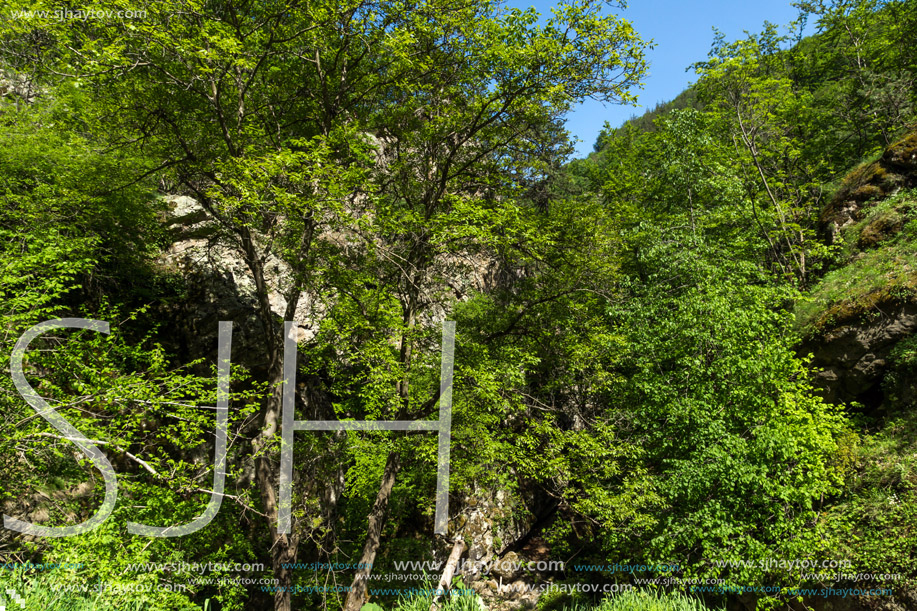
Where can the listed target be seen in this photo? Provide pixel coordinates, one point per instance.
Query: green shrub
(50, 594)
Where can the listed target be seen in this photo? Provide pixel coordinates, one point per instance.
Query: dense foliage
(626, 388)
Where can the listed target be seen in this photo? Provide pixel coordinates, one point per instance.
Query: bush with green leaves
(39, 591)
(718, 448)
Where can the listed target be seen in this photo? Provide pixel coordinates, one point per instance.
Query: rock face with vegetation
(218, 286)
(866, 303)
(633, 397)
(869, 183)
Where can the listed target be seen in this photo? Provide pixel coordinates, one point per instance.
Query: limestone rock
(221, 287)
(508, 566)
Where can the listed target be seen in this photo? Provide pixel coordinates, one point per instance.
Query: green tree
(739, 446)
(72, 246)
(768, 117)
(264, 113)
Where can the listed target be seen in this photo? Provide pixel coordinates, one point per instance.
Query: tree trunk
(445, 581)
(283, 546)
(357, 594)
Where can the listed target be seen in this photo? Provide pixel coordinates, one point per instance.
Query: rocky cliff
(866, 304)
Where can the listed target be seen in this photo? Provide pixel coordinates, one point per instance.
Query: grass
(36, 592)
(641, 600)
(462, 602)
(874, 522)
(634, 600)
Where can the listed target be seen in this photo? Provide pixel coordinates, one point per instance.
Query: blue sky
(682, 31)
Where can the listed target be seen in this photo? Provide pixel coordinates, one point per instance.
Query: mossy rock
(879, 229)
(866, 193)
(902, 154)
(865, 182)
(851, 311)
(868, 182)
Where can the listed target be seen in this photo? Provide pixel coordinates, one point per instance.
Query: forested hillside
(682, 368)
